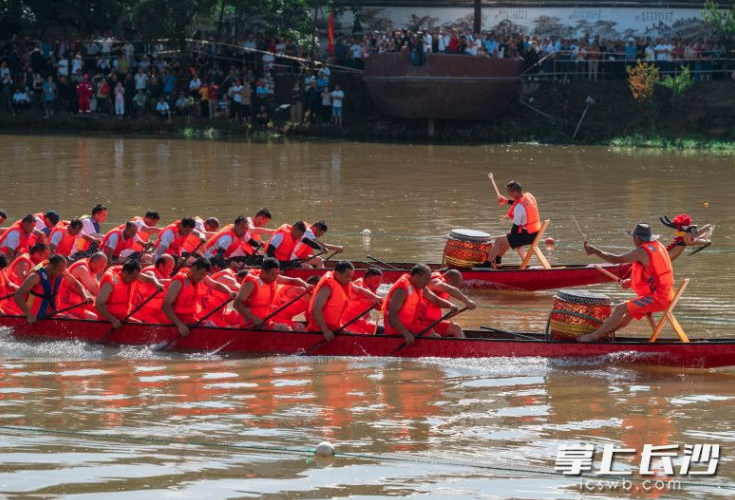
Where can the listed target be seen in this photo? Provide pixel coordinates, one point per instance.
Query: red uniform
(84, 94)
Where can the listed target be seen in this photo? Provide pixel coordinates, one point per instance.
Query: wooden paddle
(584, 237)
(166, 346)
(447, 316)
(296, 262)
(265, 322)
(382, 263)
(183, 260)
(506, 332)
(329, 257)
(6, 297)
(140, 306)
(338, 330)
(608, 274)
(49, 316)
(495, 186)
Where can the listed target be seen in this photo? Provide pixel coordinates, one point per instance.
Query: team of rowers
(196, 267)
(108, 277)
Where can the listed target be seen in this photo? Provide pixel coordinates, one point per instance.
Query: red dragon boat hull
(509, 278)
(491, 344)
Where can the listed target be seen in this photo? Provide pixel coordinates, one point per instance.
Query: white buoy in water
(324, 449)
(366, 233)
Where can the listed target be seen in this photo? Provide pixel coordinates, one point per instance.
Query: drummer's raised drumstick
(580, 229)
(608, 274)
(492, 179)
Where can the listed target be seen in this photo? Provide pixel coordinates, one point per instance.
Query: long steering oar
(381, 262)
(165, 347)
(609, 274)
(265, 322)
(338, 330)
(140, 306)
(447, 316)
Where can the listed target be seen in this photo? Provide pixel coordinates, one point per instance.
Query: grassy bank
(704, 119)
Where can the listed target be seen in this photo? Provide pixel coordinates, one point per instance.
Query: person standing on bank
(526, 222)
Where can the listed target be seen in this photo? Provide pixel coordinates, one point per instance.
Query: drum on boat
(577, 312)
(466, 248)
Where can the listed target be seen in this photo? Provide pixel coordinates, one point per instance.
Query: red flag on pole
(330, 33)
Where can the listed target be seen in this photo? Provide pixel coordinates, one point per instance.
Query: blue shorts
(336, 112)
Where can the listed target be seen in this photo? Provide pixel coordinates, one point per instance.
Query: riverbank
(703, 118)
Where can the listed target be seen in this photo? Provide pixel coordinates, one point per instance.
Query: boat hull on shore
(509, 278)
(479, 344)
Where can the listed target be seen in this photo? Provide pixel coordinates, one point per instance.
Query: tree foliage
(642, 80)
(721, 22)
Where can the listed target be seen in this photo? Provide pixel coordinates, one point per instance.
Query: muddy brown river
(83, 422)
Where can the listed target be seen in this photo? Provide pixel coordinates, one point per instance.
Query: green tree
(722, 23)
(176, 20)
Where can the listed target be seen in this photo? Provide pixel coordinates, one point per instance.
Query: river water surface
(81, 422)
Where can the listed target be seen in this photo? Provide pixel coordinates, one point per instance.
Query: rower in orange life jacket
(444, 285)
(257, 293)
(85, 271)
(257, 229)
(63, 238)
(38, 296)
(403, 305)
(91, 235)
(228, 277)
(172, 238)
(331, 298)
(182, 303)
(21, 267)
(526, 222)
(288, 293)
(652, 279)
(146, 226)
(152, 311)
(117, 291)
(284, 241)
(6, 287)
(15, 240)
(228, 241)
(118, 240)
(361, 301)
(206, 228)
(304, 250)
(45, 223)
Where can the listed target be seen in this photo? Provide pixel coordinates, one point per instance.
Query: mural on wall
(607, 23)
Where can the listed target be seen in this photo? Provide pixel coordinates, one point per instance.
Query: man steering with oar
(652, 280)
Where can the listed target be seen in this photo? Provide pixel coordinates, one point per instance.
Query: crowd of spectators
(587, 56)
(129, 77)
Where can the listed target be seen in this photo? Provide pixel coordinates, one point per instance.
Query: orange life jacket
(282, 298)
(302, 250)
(336, 304)
(189, 301)
(13, 274)
(409, 312)
(533, 220)
(358, 303)
(22, 240)
(212, 298)
(67, 293)
(178, 243)
(43, 299)
(192, 241)
(285, 249)
(228, 230)
(144, 234)
(119, 303)
(4, 290)
(145, 290)
(432, 312)
(657, 278)
(260, 301)
(122, 243)
(67, 243)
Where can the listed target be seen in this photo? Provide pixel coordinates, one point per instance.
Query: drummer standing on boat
(652, 280)
(526, 222)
